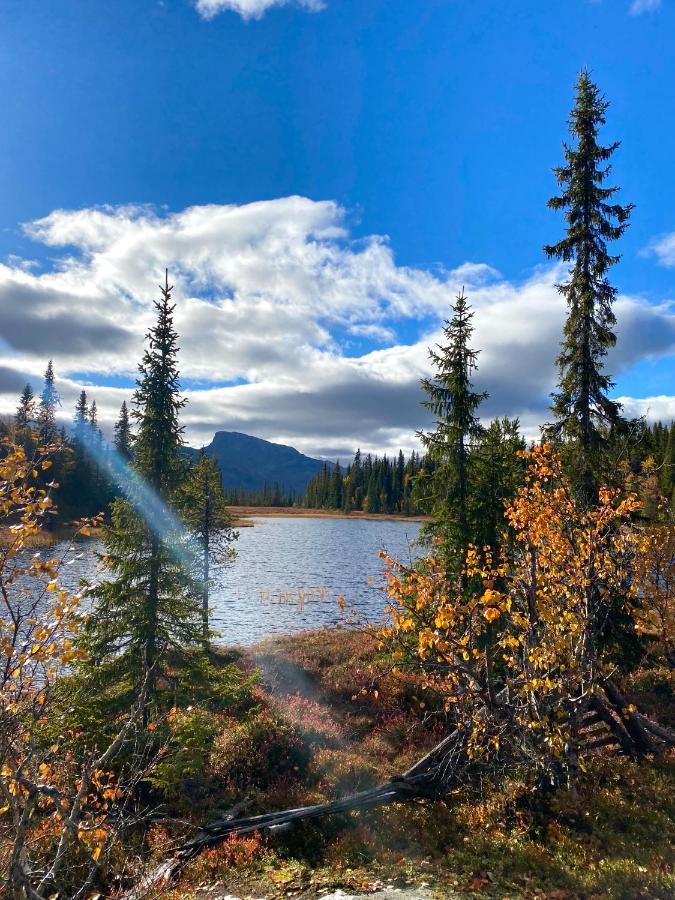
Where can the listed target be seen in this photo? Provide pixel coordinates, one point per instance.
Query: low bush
(249, 755)
(190, 742)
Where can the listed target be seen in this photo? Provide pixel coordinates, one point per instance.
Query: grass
(312, 735)
(244, 512)
(46, 538)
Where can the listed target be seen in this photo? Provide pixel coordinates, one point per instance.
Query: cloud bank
(290, 328)
(251, 9)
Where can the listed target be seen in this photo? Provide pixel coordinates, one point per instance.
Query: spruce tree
(583, 411)
(205, 513)
(46, 416)
(147, 618)
(336, 488)
(93, 420)
(25, 412)
(79, 486)
(123, 436)
(399, 482)
(453, 402)
(81, 417)
(497, 473)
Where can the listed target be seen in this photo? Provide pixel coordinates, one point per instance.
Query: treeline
(657, 445)
(370, 484)
(268, 495)
(85, 466)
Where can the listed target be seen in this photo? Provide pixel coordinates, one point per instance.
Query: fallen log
(432, 776)
(615, 725)
(641, 729)
(423, 780)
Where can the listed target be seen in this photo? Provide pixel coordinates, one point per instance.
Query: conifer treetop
(26, 408)
(451, 398)
(49, 400)
(582, 408)
(157, 399)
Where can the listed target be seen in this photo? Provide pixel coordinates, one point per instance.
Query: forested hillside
(370, 484)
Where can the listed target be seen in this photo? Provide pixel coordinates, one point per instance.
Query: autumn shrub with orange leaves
(516, 643)
(59, 812)
(655, 574)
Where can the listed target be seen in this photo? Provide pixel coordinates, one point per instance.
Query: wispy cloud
(251, 9)
(638, 7)
(663, 248)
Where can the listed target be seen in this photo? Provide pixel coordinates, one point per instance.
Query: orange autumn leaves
(39, 619)
(655, 573)
(48, 800)
(525, 619)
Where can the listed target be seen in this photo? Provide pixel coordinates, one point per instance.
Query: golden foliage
(50, 802)
(513, 645)
(655, 583)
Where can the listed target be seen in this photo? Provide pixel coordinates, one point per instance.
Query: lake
(289, 573)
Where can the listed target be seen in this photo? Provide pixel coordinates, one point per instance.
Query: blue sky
(430, 130)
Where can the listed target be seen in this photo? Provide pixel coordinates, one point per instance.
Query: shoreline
(44, 539)
(241, 514)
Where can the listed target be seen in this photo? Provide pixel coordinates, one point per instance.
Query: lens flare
(164, 523)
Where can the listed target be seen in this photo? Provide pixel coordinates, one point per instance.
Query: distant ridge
(247, 462)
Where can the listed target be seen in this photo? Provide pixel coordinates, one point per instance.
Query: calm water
(289, 573)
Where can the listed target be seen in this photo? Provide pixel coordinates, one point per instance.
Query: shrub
(234, 853)
(312, 719)
(191, 741)
(256, 752)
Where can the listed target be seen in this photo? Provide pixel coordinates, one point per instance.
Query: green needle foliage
(123, 436)
(147, 620)
(453, 402)
(583, 411)
(206, 515)
(46, 415)
(25, 411)
(497, 473)
(79, 483)
(24, 421)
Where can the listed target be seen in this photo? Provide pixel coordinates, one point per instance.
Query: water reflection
(290, 573)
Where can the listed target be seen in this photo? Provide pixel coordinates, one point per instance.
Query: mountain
(248, 462)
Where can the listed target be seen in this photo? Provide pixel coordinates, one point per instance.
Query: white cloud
(271, 300)
(655, 409)
(663, 248)
(638, 7)
(251, 9)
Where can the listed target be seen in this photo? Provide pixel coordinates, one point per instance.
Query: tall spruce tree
(453, 402)
(25, 412)
(147, 618)
(93, 420)
(81, 417)
(583, 410)
(123, 437)
(79, 485)
(46, 415)
(205, 513)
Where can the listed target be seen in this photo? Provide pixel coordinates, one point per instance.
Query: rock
(407, 893)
